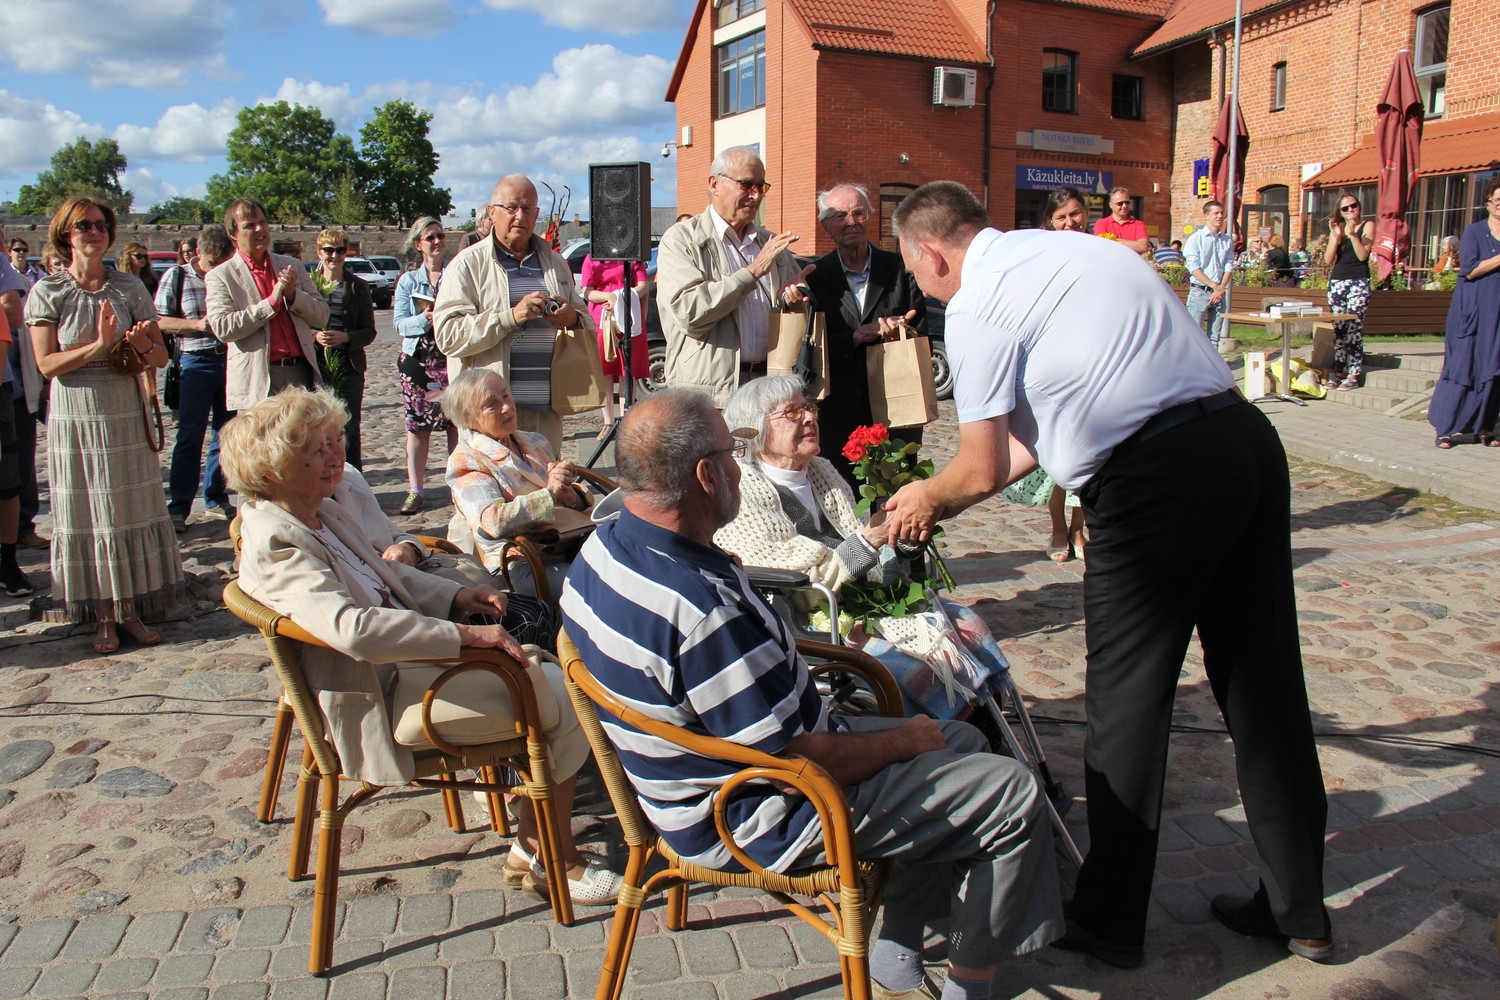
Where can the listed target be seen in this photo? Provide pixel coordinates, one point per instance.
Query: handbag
(797, 344)
(899, 371)
(124, 359)
(565, 535)
(578, 382)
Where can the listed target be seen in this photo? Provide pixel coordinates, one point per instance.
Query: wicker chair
(321, 776)
(281, 731)
(848, 888)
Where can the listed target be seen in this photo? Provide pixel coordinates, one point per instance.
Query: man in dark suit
(862, 291)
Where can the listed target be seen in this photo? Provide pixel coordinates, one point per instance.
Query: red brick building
(1093, 93)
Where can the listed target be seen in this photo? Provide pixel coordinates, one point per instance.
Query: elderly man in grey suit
(718, 278)
(264, 307)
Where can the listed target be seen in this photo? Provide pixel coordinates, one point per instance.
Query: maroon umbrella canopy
(1218, 166)
(1398, 134)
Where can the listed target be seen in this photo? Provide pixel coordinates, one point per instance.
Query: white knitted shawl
(763, 535)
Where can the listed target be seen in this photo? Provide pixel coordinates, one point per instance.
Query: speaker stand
(627, 371)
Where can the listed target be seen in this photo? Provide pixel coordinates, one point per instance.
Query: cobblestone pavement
(131, 864)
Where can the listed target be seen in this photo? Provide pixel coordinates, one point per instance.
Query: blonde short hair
(333, 237)
(256, 447)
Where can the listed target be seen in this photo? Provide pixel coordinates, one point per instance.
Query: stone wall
(295, 240)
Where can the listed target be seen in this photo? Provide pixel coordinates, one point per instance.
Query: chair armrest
(492, 661)
(597, 479)
(437, 544)
(776, 579)
(522, 549)
(855, 661)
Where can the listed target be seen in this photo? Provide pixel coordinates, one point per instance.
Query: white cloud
(115, 43)
(184, 132)
(390, 17)
(604, 15)
(350, 110)
(149, 189)
(595, 88)
(31, 131)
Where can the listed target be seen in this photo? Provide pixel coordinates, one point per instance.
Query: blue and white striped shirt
(675, 630)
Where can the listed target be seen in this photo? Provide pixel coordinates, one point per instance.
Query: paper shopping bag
(797, 344)
(578, 382)
(902, 393)
(608, 332)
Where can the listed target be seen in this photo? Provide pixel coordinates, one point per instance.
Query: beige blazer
(239, 316)
(287, 567)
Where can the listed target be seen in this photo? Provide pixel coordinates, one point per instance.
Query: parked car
(577, 249)
(388, 266)
(382, 289)
(162, 261)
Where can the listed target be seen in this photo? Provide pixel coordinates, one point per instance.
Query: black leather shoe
(1249, 916)
(1119, 955)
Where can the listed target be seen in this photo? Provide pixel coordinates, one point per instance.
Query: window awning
(1448, 147)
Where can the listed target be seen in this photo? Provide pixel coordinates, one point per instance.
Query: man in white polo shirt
(1076, 355)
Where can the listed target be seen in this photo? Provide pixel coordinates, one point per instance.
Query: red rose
(854, 448)
(879, 434)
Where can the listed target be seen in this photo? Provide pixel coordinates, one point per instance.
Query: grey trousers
(969, 833)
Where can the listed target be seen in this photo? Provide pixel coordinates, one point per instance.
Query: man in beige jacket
(501, 304)
(718, 278)
(264, 307)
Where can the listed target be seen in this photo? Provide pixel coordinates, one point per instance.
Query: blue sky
(539, 86)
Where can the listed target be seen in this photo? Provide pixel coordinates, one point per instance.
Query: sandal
(136, 631)
(595, 886)
(1487, 439)
(110, 641)
(1444, 441)
(1059, 553)
(604, 432)
(518, 865)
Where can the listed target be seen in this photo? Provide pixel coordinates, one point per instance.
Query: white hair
(860, 189)
(752, 403)
(727, 158)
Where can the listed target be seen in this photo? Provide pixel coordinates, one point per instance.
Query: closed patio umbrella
(1398, 134)
(1222, 165)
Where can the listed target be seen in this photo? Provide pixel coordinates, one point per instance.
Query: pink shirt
(283, 335)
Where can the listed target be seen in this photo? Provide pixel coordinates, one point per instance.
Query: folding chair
(847, 887)
(525, 753)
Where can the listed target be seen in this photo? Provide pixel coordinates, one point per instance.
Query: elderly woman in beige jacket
(309, 558)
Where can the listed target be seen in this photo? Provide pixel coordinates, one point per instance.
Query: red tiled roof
(1153, 9)
(1187, 18)
(1448, 147)
(927, 29)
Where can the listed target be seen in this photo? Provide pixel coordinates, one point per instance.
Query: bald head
(513, 212)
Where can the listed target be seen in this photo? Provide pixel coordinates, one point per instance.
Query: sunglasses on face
(90, 226)
(748, 185)
(1347, 208)
(435, 238)
(139, 256)
(333, 251)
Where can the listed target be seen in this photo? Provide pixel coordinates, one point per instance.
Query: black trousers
(1191, 527)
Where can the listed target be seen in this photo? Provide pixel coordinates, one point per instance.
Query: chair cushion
(473, 708)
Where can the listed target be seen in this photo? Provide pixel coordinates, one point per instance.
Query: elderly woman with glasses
(114, 552)
(1350, 239)
(505, 481)
(349, 330)
(797, 513)
(307, 556)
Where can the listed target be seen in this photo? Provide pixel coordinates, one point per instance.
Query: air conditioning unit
(953, 86)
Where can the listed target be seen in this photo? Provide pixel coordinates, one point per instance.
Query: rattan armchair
(319, 786)
(847, 888)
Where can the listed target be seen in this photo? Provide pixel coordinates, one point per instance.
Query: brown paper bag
(1322, 346)
(608, 331)
(902, 393)
(578, 382)
(797, 344)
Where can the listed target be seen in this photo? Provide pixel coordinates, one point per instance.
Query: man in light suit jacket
(719, 277)
(862, 291)
(264, 307)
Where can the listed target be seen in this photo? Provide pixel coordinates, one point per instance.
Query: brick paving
(131, 865)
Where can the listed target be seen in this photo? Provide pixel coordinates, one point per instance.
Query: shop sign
(1201, 184)
(1049, 178)
(1066, 142)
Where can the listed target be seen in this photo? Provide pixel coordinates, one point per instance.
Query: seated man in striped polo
(666, 620)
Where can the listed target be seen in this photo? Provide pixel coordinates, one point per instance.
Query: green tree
(82, 168)
(400, 162)
(287, 157)
(347, 207)
(183, 211)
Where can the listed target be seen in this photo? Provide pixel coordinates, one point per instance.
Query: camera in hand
(553, 305)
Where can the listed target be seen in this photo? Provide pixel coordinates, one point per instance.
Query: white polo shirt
(1078, 339)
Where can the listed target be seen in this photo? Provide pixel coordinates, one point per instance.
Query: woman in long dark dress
(1467, 396)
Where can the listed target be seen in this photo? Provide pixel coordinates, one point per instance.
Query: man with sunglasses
(263, 306)
(1131, 232)
(718, 278)
(864, 292)
(18, 259)
(502, 303)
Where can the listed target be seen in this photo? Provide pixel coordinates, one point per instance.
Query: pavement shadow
(993, 566)
(1388, 506)
(1049, 606)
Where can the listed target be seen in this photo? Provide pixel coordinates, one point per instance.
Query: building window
(891, 196)
(742, 74)
(1278, 87)
(1125, 97)
(731, 11)
(1059, 69)
(1431, 62)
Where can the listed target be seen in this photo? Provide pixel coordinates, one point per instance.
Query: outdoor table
(1285, 322)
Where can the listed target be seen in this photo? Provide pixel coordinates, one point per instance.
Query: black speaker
(620, 204)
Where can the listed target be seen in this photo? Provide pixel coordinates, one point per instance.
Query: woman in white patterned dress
(114, 553)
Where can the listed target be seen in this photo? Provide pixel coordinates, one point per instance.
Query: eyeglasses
(1119, 204)
(749, 185)
(858, 215)
(518, 209)
(1348, 208)
(434, 238)
(796, 411)
(89, 226)
(333, 251)
(140, 256)
(19, 249)
(740, 447)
